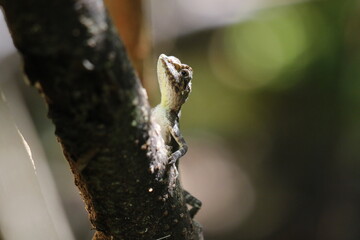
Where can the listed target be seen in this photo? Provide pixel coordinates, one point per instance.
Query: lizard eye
(184, 73)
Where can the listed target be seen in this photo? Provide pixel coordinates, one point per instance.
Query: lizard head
(174, 80)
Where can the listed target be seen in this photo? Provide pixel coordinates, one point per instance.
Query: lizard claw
(171, 160)
(176, 171)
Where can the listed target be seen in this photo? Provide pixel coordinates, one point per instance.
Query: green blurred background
(281, 91)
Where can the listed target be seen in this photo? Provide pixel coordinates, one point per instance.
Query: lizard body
(175, 86)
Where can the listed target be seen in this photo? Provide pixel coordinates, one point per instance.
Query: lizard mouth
(163, 56)
(169, 66)
(170, 59)
(164, 60)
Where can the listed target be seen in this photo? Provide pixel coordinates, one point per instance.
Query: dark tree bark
(73, 55)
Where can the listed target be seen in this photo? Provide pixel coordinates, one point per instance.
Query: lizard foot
(193, 202)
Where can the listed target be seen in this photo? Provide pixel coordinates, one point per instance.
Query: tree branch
(73, 55)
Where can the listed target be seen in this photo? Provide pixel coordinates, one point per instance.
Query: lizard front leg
(189, 199)
(176, 134)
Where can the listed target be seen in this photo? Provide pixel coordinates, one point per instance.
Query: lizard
(175, 86)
